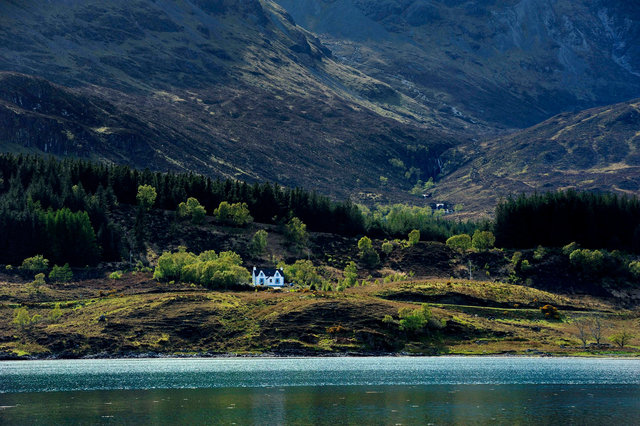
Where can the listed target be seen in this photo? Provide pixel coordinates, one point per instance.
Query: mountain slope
(512, 63)
(237, 89)
(596, 149)
(219, 87)
(37, 116)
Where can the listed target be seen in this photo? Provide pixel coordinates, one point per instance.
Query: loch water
(341, 390)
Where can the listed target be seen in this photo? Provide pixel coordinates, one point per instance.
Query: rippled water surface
(322, 391)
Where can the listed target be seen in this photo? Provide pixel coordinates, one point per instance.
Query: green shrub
(61, 274)
(414, 320)
(459, 243)
(170, 265)
(483, 240)
(216, 271)
(350, 275)
(115, 275)
(421, 187)
(397, 163)
(570, 248)
(55, 314)
(327, 286)
(413, 237)
(35, 264)
(387, 247)
(23, 320)
(539, 253)
(394, 277)
(516, 259)
(141, 267)
(37, 282)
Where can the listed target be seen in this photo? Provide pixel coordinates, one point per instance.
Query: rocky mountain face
(511, 63)
(222, 87)
(355, 98)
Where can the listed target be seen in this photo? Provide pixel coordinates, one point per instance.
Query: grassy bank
(136, 315)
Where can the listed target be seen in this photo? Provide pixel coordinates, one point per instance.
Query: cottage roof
(269, 272)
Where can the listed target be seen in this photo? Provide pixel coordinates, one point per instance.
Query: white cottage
(268, 277)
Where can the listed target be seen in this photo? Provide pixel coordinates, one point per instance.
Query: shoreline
(271, 355)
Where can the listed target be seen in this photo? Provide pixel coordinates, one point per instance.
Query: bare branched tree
(582, 327)
(596, 326)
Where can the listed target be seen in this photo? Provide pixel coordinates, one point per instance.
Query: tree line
(592, 220)
(45, 203)
(62, 209)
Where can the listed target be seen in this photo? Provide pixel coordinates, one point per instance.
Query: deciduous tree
(296, 232)
(368, 254)
(258, 243)
(460, 242)
(146, 196)
(621, 339)
(192, 209)
(483, 240)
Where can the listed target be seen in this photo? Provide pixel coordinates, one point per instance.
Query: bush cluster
(35, 264)
(589, 261)
(481, 241)
(209, 268)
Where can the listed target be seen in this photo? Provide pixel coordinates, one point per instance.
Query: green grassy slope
(136, 315)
